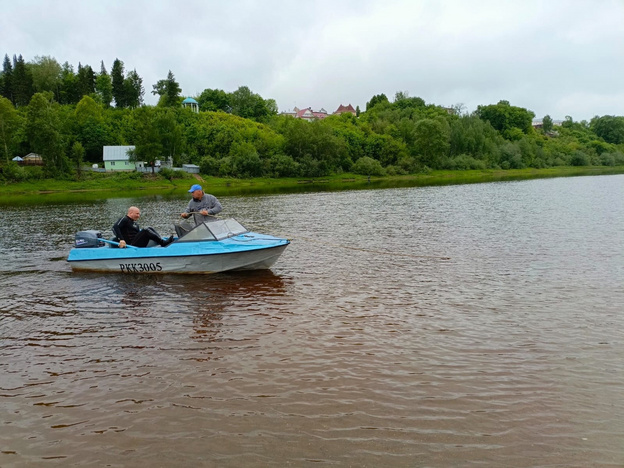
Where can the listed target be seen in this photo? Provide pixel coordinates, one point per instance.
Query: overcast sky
(556, 57)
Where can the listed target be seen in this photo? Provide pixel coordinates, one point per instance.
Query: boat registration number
(140, 267)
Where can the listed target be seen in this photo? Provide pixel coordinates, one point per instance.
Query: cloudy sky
(556, 57)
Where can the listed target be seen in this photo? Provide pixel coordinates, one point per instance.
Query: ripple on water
(460, 325)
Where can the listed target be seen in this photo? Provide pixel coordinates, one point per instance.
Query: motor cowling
(90, 238)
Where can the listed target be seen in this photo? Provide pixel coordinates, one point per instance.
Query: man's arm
(214, 206)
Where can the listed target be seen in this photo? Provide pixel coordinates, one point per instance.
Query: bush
(170, 174)
(226, 167)
(465, 162)
(395, 170)
(511, 157)
(311, 167)
(579, 159)
(209, 166)
(368, 166)
(11, 172)
(245, 160)
(607, 159)
(281, 165)
(612, 159)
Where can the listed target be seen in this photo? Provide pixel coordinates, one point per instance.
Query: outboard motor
(89, 238)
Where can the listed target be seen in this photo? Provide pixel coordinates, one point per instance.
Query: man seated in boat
(129, 232)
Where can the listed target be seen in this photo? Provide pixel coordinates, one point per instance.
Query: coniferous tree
(69, 85)
(86, 80)
(22, 82)
(6, 84)
(168, 90)
(117, 76)
(133, 89)
(104, 86)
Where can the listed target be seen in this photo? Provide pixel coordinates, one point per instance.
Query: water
(474, 325)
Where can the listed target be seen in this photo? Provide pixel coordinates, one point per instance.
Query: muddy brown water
(473, 325)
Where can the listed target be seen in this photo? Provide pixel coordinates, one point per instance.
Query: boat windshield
(214, 230)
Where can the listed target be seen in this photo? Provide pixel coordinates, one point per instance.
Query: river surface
(471, 325)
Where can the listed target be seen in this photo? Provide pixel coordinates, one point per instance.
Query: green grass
(103, 185)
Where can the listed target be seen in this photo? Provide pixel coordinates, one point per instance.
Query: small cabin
(117, 158)
(32, 159)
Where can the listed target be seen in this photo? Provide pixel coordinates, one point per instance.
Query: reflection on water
(447, 326)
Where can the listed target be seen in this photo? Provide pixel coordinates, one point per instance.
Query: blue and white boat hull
(247, 251)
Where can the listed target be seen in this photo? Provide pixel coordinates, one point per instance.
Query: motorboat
(209, 247)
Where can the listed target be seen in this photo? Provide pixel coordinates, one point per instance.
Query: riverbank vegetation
(113, 185)
(67, 117)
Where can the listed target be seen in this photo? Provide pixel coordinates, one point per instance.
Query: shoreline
(110, 185)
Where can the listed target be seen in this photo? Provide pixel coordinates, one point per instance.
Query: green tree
(77, 156)
(133, 89)
(169, 91)
(245, 159)
(547, 124)
(469, 135)
(104, 86)
(117, 78)
(214, 100)
(249, 105)
(46, 75)
(43, 132)
(608, 127)
(69, 93)
(315, 146)
(170, 132)
(432, 141)
(6, 79)
(90, 128)
(22, 82)
(402, 100)
(86, 80)
(505, 117)
(146, 136)
(10, 123)
(377, 99)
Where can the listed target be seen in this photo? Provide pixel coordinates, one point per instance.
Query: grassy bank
(125, 184)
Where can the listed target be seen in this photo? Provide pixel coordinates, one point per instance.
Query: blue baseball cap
(196, 187)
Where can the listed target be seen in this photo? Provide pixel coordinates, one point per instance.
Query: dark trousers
(144, 236)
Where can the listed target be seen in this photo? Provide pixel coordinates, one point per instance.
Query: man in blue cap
(201, 204)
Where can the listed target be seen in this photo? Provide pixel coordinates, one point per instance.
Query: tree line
(67, 117)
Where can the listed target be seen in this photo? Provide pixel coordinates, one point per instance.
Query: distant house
(307, 114)
(342, 109)
(32, 159)
(116, 158)
(538, 123)
(190, 168)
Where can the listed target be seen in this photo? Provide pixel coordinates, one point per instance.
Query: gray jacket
(208, 202)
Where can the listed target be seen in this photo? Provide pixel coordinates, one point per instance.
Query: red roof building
(342, 109)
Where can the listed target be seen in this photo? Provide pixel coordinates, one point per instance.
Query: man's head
(197, 191)
(134, 213)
